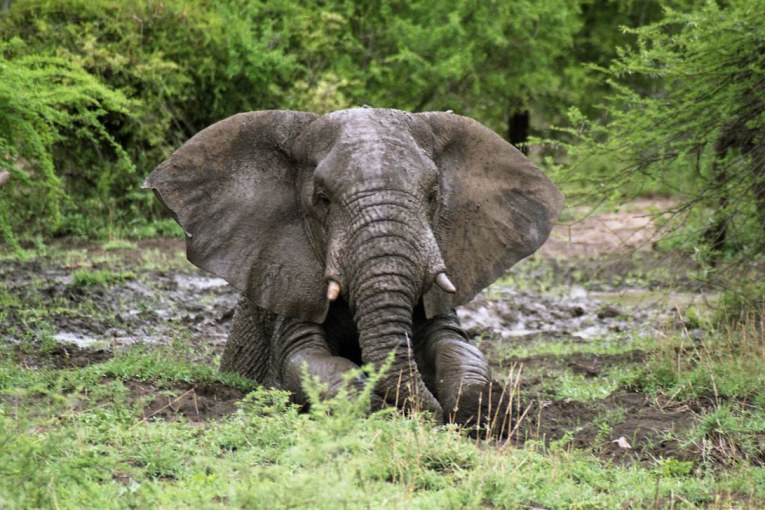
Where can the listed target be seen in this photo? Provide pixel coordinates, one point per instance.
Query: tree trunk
(717, 233)
(518, 129)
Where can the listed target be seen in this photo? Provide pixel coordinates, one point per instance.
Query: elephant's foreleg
(301, 350)
(459, 375)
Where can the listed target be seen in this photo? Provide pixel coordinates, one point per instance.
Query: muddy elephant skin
(354, 235)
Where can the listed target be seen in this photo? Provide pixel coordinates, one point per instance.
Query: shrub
(688, 116)
(50, 104)
(183, 65)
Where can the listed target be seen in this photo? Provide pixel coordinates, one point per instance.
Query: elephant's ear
(497, 207)
(233, 189)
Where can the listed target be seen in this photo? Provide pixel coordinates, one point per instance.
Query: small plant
(743, 304)
(730, 434)
(674, 467)
(118, 244)
(84, 278)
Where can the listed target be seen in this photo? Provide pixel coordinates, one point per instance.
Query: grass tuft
(85, 278)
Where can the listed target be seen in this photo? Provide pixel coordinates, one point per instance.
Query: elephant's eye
(433, 199)
(322, 201)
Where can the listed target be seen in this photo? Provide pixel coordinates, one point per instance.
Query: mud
(149, 307)
(524, 316)
(623, 428)
(193, 402)
(65, 355)
(48, 320)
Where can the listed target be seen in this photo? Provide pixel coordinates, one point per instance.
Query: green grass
(71, 439)
(80, 437)
(118, 244)
(83, 278)
(566, 347)
(567, 385)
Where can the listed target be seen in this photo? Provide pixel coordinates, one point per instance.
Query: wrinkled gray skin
(281, 203)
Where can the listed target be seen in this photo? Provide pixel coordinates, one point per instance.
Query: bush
(688, 115)
(182, 64)
(71, 112)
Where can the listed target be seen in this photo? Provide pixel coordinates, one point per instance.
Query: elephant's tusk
(446, 285)
(333, 290)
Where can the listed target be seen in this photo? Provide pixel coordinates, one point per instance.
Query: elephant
(352, 237)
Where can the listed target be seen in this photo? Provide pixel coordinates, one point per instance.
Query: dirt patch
(587, 364)
(61, 356)
(631, 228)
(623, 428)
(179, 400)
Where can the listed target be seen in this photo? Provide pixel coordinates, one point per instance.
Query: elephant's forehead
(378, 116)
(376, 144)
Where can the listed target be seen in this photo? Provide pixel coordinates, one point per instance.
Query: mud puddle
(45, 301)
(45, 304)
(158, 306)
(506, 314)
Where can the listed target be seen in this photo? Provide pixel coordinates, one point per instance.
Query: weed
(605, 422)
(674, 468)
(118, 244)
(730, 434)
(726, 363)
(84, 278)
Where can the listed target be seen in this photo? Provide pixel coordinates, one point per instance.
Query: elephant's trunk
(387, 271)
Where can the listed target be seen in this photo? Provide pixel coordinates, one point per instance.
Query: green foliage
(185, 65)
(732, 434)
(687, 115)
(48, 102)
(743, 304)
(83, 278)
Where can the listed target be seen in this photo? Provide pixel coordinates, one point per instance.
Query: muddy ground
(581, 309)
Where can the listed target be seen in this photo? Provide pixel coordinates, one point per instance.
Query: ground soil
(156, 306)
(180, 400)
(589, 233)
(648, 429)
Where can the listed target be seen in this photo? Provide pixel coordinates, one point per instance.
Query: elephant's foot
(306, 358)
(460, 378)
(318, 366)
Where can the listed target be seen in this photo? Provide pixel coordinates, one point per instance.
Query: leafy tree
(696, 123)
(486, 59)
(186, 64)
(183, 64)
(45, 101)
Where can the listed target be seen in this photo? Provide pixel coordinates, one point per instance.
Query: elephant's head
(381, 209)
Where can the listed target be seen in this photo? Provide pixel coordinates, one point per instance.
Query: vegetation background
(655, 96)
(615, 99)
